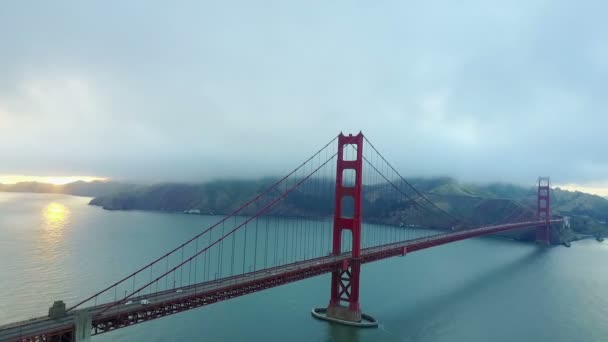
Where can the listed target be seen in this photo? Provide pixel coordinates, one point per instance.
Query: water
(57, 247)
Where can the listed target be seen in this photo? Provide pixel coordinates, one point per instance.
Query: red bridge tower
(543, 211)
(345, 282)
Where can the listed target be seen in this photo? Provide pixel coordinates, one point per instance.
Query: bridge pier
(344, 313)
(345, 282)
(345, 287)
(82, 326)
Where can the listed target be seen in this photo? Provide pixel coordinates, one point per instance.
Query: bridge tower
(543, 211)
(345, 282)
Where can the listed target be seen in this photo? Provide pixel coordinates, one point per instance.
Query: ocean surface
(487, 289)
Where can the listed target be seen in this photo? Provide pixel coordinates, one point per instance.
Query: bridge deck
(185, 298)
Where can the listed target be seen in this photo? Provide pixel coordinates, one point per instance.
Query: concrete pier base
(365, 321)
(83, 324)
(343, 313)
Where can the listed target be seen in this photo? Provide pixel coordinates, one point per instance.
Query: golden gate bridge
(344, 206)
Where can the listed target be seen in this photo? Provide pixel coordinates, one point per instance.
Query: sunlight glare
(55, 180)
(595, 190)
(55, 215)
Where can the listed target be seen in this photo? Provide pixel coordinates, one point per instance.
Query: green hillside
(472, 204)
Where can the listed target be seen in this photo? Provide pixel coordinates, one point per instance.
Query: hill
(473, 204)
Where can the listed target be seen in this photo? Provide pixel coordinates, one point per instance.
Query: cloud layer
(142, 90)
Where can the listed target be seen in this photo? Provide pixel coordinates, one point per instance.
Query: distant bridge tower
(345, 282)
(543, 211)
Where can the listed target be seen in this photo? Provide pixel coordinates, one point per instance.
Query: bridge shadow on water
(416, 324)
(422, 320)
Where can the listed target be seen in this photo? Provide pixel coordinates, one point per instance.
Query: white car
(129, 303)
(179, 291)
(144, 302)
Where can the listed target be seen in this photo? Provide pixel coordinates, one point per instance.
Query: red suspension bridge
(308, 223)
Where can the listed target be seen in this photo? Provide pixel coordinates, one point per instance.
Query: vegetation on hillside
(473, 204)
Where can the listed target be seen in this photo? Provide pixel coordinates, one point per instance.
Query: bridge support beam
(82, 326)
(345, 288)
(543, 211)
(344, 295)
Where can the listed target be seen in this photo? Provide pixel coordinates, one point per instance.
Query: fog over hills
(478, 204)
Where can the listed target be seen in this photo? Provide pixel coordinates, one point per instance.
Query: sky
(196, 90)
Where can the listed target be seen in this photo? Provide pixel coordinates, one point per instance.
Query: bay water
(56, 246)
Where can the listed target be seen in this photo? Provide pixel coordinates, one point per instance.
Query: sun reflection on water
(56, 216)
(55, 220)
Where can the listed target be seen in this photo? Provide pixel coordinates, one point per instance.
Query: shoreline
(578, 236)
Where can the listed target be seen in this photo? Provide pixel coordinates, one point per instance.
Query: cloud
(199, 90)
